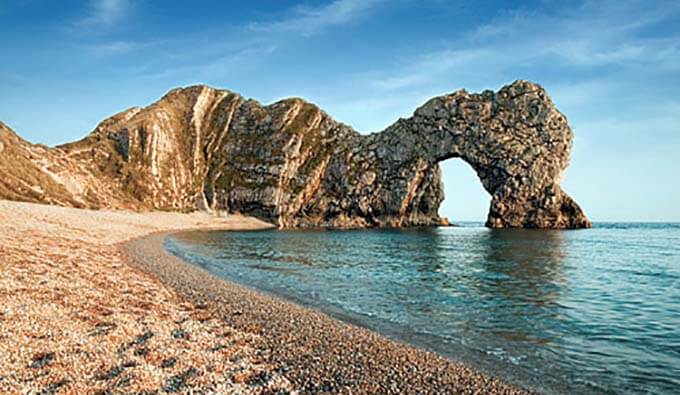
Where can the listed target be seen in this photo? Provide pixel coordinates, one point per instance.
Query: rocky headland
(291, 164)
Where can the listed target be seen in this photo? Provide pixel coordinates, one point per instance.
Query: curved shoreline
(316, 352)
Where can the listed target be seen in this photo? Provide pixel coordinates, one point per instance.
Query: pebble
(315, 352)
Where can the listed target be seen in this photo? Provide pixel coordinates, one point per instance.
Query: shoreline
(91, 302)
(314, 351)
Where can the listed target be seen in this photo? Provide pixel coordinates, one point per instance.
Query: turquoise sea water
(584, 311)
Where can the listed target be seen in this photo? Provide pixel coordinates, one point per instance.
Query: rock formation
(291, 164)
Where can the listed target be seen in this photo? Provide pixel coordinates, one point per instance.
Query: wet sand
(90, 302)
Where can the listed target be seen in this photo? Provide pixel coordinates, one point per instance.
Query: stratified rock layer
(291, 164)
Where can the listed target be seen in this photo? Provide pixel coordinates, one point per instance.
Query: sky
(613, 67)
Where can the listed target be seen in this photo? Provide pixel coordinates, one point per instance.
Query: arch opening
(465, 199)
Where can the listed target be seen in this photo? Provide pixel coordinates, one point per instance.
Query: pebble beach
(91, 302)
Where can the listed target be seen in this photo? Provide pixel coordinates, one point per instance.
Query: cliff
(293, 165)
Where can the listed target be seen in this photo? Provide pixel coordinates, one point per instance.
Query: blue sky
(613, 67)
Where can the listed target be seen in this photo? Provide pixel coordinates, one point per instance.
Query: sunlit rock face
(291, 164)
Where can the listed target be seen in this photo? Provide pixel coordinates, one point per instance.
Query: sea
(558, 312)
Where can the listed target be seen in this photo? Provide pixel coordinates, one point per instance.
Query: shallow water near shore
(584, 311)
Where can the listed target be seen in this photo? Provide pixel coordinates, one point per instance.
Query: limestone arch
(515, 139)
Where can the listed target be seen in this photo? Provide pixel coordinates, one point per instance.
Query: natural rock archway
(517, 142)
(292, 164)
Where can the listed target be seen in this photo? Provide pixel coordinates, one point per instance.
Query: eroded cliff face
(291, 164)
(36, 173)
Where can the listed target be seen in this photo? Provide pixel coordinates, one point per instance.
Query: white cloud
(573, 95)
(428, 68)
(590, 53)
(595, 34)
(645, 131)
(121, 47)
(105, 13)
(216, 68)
(113, 48)
(309, 20)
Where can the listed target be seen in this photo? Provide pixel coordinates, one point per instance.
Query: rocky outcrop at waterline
(292, 164)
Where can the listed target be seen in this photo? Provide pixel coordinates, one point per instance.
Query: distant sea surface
(583, 311)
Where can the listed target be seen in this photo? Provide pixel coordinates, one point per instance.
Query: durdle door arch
(519, 145)
(516, 141)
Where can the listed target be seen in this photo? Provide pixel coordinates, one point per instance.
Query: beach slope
(76, 317)
(90, 302)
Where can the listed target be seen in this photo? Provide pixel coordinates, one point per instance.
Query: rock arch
(517, 142)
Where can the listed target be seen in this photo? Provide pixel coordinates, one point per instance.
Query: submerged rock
(291, 164)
